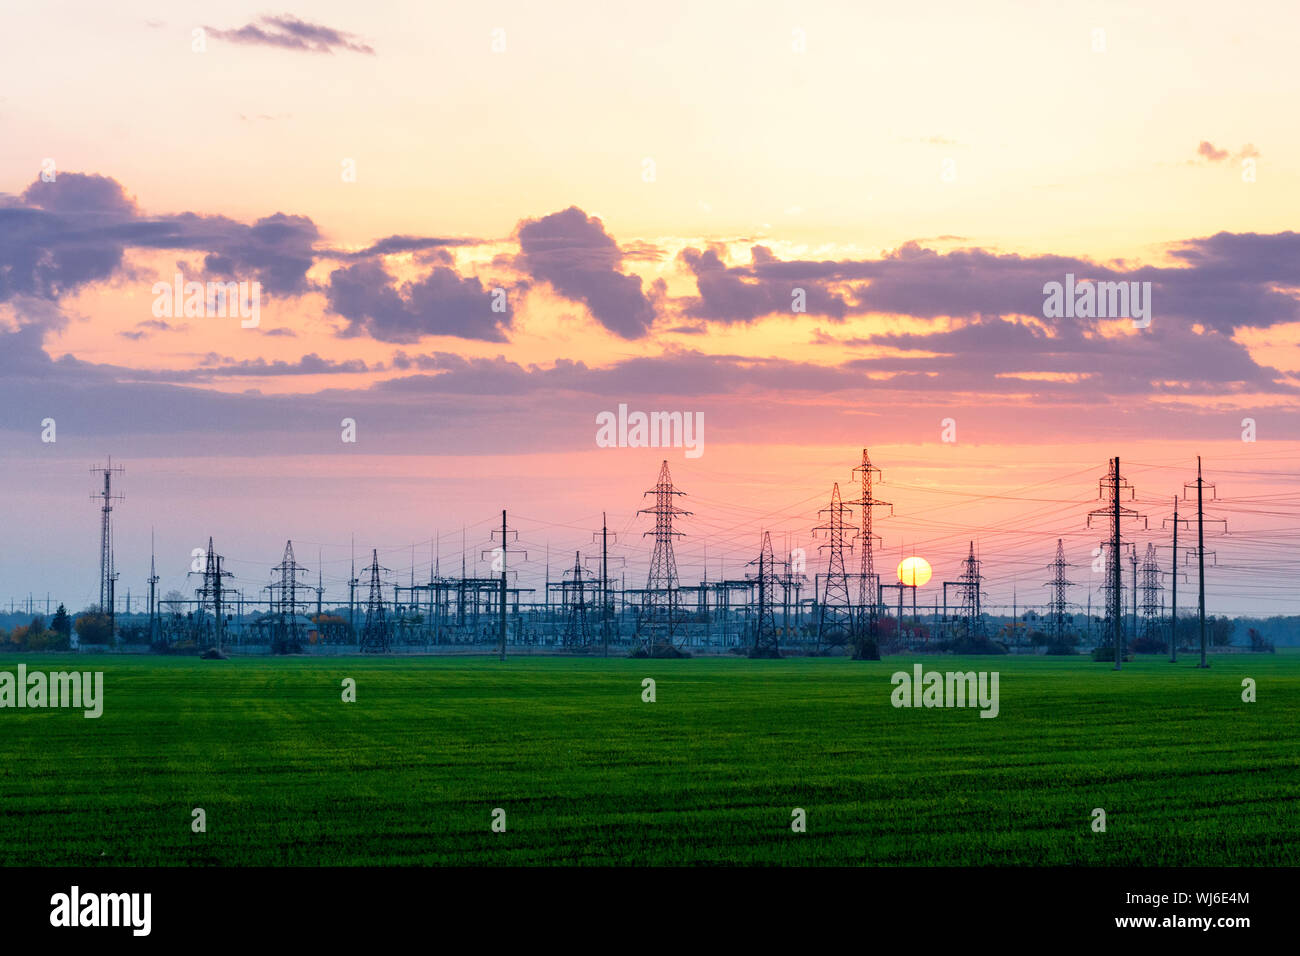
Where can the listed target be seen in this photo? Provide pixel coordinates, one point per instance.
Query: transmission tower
(835, 620)
(1111, 488)
(213, 593)
(1056, 606)
(574, 587)
(107, 573)
(376, 637)
(284, 603)
(658, 622)
(868, 587)
(766, 638)
(968, 590)
(1152, 604)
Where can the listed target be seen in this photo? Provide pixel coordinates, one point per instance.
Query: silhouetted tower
(607, 621)
(1151, 597)
(284, 602)
(835, 618)
(868, 587)
(1111, 488)
(574, 586)
(1175, 521)
(658, 622)
(968, 591)
(107, 574)
(375, 636)
(212, 595)
(153, 593)
(1057, 604)
(766, 637)
(1200, 484)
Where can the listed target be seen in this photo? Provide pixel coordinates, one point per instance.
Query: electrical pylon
(868, 586)
(835, 618)
(1057, 604)
(212, 593)
(1152, 623)
(107, 574)
(658, 622)
(968, 588)
(1110, 489)
(766, 638)
(375, 635)
(284, 603)
(574, 587)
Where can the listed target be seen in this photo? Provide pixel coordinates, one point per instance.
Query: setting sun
(914, 572)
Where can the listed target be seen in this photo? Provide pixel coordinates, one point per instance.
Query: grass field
(587, 773)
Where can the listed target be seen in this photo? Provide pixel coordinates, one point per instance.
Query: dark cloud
(442, 303)
(289, 33)
(738, 295)
(61, 235)
(391, 245)
(573, 252)
(1226, 281)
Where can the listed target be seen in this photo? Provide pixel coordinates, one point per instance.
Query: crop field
(710, 772)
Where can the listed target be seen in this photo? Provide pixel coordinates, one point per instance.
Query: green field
(587, 773)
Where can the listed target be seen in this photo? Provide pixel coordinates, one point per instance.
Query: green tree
(93, 627)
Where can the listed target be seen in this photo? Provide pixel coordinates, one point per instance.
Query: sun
(913, 571)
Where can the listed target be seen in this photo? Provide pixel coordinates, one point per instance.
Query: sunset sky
(649, 186)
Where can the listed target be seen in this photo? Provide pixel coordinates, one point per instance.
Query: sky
(822, 227)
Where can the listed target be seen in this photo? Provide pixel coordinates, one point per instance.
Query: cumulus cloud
(441, 303)
(573, 252)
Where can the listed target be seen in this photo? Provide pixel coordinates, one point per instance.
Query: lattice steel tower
(1110, 489)
(1152, 603)
(658, 621)
(375, 637)
(868, 590)
(1057, 605)
(968, 589)
(213, 592)
(284, 602)
(835, 618)
(576, 584)
(766, 636)
(106, 571)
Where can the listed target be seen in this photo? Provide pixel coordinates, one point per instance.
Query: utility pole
(606, 604)
(352, 589)
(1133, 558)
(1173, 586)
(153, 584)
(1200, 547)
(504, 551)
(604, 582)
